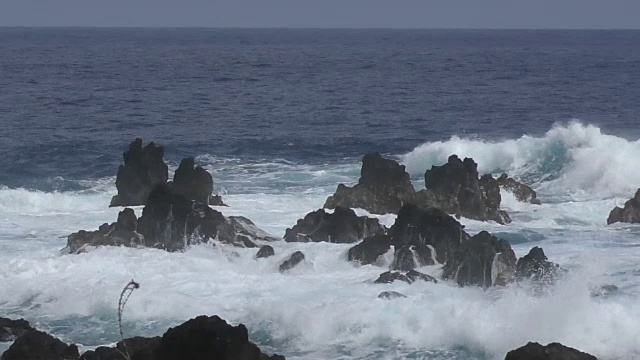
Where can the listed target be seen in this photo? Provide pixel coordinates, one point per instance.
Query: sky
(494, 14)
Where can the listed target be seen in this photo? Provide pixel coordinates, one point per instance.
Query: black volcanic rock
(629, 214)
(10, 330)
(522, 192)
(553, 351)
(427, 227)
(384, 186)
(295, 259)
(408, 277)
(194, 183)
(370, 249)
(411, 256)
(138, 348)
(457, 190)
(265, 252)
(121, 233)
(38, 345)
(536, 266)
(483, 260)
(143, 169)
(388, 295)
(341, 226)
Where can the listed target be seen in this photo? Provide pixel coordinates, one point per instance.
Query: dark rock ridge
(10, 330)
(553, 351)
(384, 186)
(203, 337)
(144, 169)
(295, 259)
(38, 345)
(535, 266)
(522, 192)
(370, 249)
(460, 191)
(483, 260)
(341, 226)
(629, 214)
(170, 222)
(265, 252)
(408, 277)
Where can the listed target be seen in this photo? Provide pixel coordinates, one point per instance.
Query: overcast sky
(591, 14)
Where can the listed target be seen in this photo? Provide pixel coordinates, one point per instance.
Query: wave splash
(574, 159)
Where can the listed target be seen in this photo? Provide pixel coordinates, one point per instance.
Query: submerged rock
(483, 260)
(143, 169)
(265, 252)
(370, 249)
(629, 214)
(388, 295)
(341, 226)
(295, 259)
(10, 330)
(384, 186)
(408, 277)
(535, 266)
(553, 351)
(522, 192)
(38, 345)
(460, 192)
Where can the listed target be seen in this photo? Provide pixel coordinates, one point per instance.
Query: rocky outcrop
(194, 183)
(143, 169)
(427, 227)
(535, 266)
(38, 345)
(384, 186)
(459, 190)
(629, 214)
(295, 259)
(204, 337)
(553, 351)
(412, 256)
(121, 233)
(10, 330)
(388, 295)
(522, 192)
(265, 252)
(370, 249)
(483, 260)
(408, 277)
(170, 222)
(341, 226)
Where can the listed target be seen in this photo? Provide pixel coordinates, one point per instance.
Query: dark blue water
(72, 99)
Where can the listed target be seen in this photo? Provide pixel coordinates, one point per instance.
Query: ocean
(280, 118)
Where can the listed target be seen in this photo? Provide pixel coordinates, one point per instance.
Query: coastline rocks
(522, 192)
(10, 330)
(265, 252)
(629, 214)
(295, 259)
(121, 233)
(384, 186)
(553, 351)
(194, 183)
(38, 345)
(370, 249)
(483, 260)
(388, 295)
(465, 195)
(143, 169)
(535, 266)
(409, 257)
(341, 226)
(408, 277)
(429, 227)
(138, 348)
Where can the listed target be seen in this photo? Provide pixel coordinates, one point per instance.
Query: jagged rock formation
(38, 345)
(341, 226)
(121, 233)
(370, 249)
(553, 351)
(295, 259)
(535, 266)
(483, 260)
(629, 214)
(194, 183)
(522, 192)
(12, 329)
